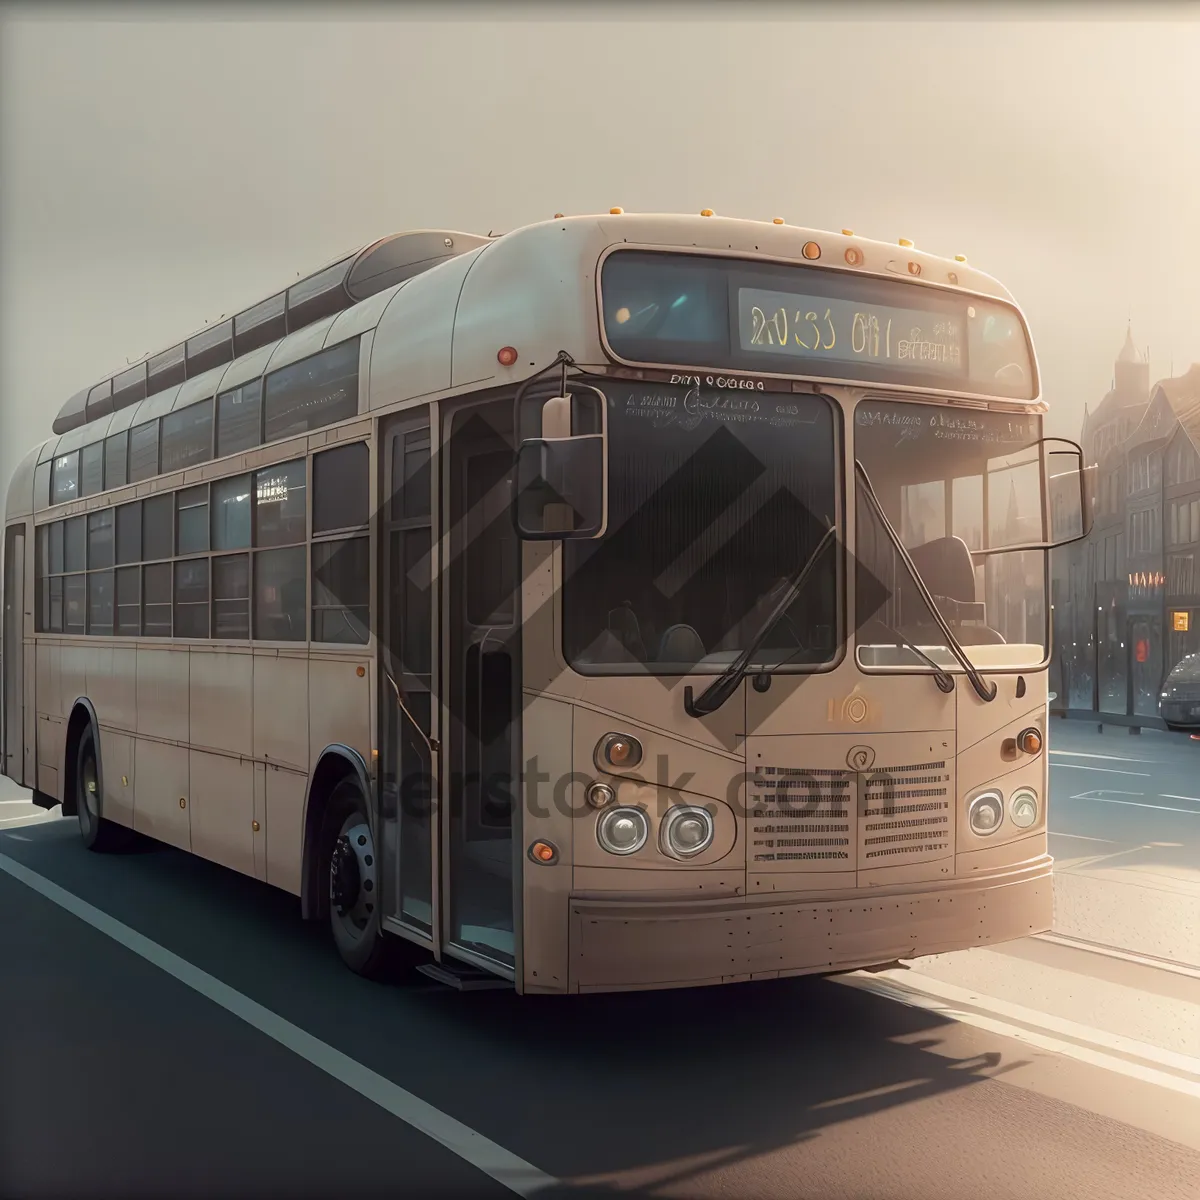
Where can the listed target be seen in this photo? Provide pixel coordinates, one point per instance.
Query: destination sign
(823, 328)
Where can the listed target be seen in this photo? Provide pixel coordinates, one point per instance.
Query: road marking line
(1107, 757)
(1142, 960)
(493, 1160)
(1169, 796)
(1103, 770)
(1091, 793)
(1082, 837)
(947, 1000)
(1194, 812)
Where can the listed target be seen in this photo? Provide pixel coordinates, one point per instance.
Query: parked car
(1179, 702)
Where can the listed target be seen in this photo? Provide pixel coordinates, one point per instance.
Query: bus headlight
(623, 830)
(686, 831)
(985, 813)
(1023, 807)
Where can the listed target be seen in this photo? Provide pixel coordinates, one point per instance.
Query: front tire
(351, 878)
(97, 833)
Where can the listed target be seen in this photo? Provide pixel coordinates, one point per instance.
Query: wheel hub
(352, 876)
(344, 881)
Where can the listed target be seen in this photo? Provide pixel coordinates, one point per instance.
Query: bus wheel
(352, 872)
(97, 833)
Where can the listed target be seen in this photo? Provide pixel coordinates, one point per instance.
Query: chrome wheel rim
(352, 878)
(89, 786)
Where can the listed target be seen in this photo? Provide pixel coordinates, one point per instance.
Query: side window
(143, 451)
(129, 533)
(64, 478)
(187, 436)
(280, 571)
(116, 460)
(341, 564)
(231, 514)
(91, 474)
(310, 394)
(192, 521)
(239, 419)
(158, 524)
(191, 598)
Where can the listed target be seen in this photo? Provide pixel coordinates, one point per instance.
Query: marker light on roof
(854, 256)
(778, 221)
(905, 242)
(706, 212)
(615, 212)
(811, 250)
(960, 258)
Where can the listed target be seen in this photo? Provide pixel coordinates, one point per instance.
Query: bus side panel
(51, 724)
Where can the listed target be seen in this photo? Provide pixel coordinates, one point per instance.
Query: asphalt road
(119, 1079)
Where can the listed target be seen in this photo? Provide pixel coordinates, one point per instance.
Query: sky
(159, 169)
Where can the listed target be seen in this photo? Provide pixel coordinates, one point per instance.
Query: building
(1125, 600)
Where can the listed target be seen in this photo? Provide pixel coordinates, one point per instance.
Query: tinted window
(279, 504)
(75, 544)
(191, 598)
(91, 475)
(56, 605)
(129, 533)
(340, 488)
(410, 568)
(75, 597)
(193, 520)
(100, 602)
(239, 419)
(187, 436)
(116, 453)
(231, 596)
(64, 478)
(410, 475)
(158, 521)
(341, 590)
(315, 392)
(231, 513)
(143, 452)
(156, 600)
(279, 595)
(129, 596)
(100, 539)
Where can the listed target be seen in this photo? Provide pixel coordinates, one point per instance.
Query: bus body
(269, 598)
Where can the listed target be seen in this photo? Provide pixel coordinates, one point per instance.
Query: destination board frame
(726, 273)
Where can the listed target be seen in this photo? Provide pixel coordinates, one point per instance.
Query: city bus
(623, 602)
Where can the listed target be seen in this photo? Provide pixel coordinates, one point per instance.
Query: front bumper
(621, 947)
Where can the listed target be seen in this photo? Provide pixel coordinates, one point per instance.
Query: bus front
(805, 644)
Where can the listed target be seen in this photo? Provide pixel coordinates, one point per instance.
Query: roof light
(706, 212)
(960, 258)
(847, 232)
(777, 221)
(811, 250)
(905, 242)
(507, 356)
(615, 212)
(854, 256)
(558, 216)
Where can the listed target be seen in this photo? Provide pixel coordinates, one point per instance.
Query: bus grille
(800, 818)
(904, 815)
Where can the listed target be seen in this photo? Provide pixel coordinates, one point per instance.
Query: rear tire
(350, 877)
(97, 833)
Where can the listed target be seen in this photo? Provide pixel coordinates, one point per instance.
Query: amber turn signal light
(618, 750)
(543, 852)
(1030, 740)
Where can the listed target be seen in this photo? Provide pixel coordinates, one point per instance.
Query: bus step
(462, 978)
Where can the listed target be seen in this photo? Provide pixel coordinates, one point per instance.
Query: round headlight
(686, 831)
(1023, 808)
(985, 813)
(599, 794)
(618, 750)
(623, 830)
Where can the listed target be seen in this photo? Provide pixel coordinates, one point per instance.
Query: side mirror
(561, 486)
(1070, 493)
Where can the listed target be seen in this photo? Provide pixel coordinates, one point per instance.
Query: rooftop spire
(1129, 352)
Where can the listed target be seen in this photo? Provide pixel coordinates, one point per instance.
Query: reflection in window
(187, 437)
(64, 478)
(231, 596)
(156, 600)
(315, 392)
(192, 533)
(191, 598)
(100, 602)
(116, 454)
(75, 598)
(280, 505)
(279, 594)
(239, 419)
(143, 452)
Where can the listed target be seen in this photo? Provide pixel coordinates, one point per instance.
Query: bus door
(408, 768)
(481, 703)
(13, 660)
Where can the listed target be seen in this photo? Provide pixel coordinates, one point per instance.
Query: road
(206, 1042)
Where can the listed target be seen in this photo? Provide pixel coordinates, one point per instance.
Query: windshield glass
(716, 498)
(951, 480)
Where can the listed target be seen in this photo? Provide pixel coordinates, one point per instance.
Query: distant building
(1118, 594)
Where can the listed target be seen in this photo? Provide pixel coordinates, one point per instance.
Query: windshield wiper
(726, 683)
(941, 676)
(985, 690)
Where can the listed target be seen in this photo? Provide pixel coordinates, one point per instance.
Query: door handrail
(431, 744)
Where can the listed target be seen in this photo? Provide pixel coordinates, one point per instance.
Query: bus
(623, 602)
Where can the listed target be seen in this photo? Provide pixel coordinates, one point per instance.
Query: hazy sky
(157, 171)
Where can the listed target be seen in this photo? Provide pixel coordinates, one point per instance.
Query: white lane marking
(1169, 796)
(1106, 757)
(1142, 960)
(1091, 792)
(947, 1000)
(506, 1168)
(1082, 837)
(1194, 812)
(1103, 770)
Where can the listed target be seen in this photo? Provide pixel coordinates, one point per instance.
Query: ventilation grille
(802, 817)
(904, 815)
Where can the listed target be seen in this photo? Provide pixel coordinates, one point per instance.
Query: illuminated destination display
(824, 328)
(719, 313)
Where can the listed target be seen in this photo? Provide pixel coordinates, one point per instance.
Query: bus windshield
(951, 481)
(715, 497)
